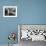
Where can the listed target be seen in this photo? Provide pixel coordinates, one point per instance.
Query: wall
(7, 25)
(29, 12)
(33, 27)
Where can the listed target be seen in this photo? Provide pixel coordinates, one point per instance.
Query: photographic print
(9, 11)
(33, 32)
(28, 34)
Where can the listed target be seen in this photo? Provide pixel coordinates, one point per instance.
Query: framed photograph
(9, 11)
(31, 32)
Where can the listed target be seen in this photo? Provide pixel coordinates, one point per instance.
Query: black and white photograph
(29, 34)
(9, 11)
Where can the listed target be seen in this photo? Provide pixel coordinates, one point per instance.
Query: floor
(34, 43)
(28, 43)
(7, 45)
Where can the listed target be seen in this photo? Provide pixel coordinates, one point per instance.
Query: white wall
(41, 27)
